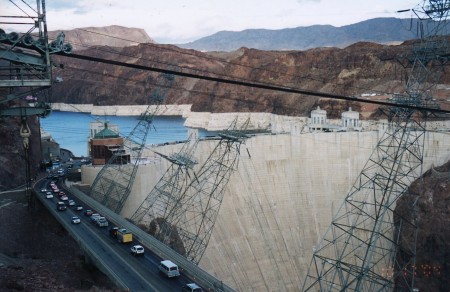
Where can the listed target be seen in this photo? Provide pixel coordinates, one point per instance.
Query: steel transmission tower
(114, 182)
(174, 181)
(361, 251)
(184, 219)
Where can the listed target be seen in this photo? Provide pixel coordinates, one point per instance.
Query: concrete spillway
(279, 202)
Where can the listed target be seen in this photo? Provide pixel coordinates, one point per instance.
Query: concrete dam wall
(278, 203)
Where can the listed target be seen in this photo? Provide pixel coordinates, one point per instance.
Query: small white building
(318, 119)
(350, 121)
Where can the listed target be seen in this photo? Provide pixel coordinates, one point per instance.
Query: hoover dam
(279, 201)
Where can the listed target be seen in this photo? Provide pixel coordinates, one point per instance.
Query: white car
(192, 287)
(95, 216)
(137, 250)
(71, 203)
(76, 220)
(49, 195)
(44, 190)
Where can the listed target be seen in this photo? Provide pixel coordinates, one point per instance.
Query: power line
(207, 57)
(251, 84)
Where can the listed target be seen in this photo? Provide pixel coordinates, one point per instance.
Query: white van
(169, 268)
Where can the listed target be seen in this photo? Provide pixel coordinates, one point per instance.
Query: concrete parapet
(123, 110)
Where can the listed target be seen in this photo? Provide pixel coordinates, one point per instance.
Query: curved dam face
(278, 203)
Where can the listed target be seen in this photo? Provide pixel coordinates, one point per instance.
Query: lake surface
(71, 129)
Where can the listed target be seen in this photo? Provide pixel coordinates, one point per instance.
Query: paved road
(133, 273)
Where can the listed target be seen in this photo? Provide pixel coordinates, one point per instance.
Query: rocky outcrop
(12, 156)
(355, 70)
(430, 195)
(111, 36)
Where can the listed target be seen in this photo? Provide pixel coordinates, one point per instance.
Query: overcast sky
(181, 21)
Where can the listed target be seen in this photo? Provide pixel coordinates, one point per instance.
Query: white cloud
(179, 21)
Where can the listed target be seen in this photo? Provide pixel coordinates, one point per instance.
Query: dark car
(88, 212)
(60, 206)
(113, 231)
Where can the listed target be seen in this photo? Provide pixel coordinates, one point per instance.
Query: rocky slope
(113, 36)
(12, 153)
(354, 70)
(431, 196)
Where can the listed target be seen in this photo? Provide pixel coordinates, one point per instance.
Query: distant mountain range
(377, 30)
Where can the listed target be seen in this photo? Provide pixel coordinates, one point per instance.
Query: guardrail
(194, 272)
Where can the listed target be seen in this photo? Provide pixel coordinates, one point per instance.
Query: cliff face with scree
(358, 69)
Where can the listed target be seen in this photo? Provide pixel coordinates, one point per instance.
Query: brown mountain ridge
(355, 70)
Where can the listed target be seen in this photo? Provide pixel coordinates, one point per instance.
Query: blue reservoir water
(71, 129)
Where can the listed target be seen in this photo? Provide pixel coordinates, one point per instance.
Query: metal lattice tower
(25, 57)
(29, 55)
(194, 212)
(184, 219)
(174, 181)
(361, 251)
(114, 182)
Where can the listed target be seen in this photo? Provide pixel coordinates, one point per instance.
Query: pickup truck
(102, 222)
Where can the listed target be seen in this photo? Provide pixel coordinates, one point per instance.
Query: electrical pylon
(114, 182)
(184, 219)
(361, 249)
(174, 181)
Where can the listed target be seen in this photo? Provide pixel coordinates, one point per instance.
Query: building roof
(106, 133)
(318, 111)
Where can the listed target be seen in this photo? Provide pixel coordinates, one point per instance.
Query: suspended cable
(206, 57)
(252, 84)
